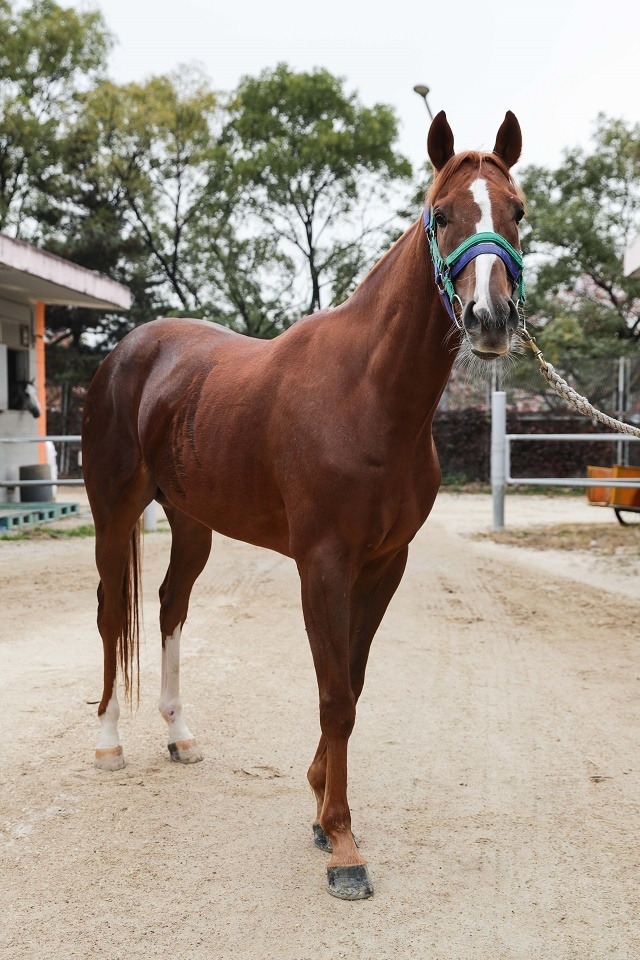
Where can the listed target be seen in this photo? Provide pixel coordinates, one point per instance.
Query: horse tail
(128, 650)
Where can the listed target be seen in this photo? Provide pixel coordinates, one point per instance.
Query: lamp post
(422, 91)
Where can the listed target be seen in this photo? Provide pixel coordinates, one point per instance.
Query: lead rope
(562, 388)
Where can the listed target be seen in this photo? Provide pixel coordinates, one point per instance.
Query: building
(632, 260)
(29, 280)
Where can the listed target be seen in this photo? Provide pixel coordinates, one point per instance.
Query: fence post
(622, 406)
(498, 445)
(150, 522)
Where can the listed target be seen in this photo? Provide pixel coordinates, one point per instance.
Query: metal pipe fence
(501, 475)
(150, 517)
(71, 438)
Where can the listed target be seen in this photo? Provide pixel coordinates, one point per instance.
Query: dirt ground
(494, 776)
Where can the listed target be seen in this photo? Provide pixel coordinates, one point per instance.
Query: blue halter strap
(447, 269)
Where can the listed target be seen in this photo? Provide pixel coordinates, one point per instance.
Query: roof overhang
(32, 275)
(631, 264)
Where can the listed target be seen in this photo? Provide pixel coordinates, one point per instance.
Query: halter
(447, 269)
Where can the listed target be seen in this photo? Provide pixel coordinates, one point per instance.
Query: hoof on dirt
(349, 883)
(185, 751)
(322, 840)
(109, 758)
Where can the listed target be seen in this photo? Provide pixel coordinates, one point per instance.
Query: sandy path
(495, 773)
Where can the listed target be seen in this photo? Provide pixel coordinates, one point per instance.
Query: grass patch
(50, 533)
(541, 490)
(598, 538)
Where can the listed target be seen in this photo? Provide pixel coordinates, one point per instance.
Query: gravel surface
(494, 772)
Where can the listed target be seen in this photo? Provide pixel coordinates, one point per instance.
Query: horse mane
(470, 158)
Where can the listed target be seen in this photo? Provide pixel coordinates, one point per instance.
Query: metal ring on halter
(455, 319)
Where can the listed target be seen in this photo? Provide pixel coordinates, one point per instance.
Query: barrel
(41, 493)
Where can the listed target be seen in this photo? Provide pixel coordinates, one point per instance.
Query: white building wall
(632, 260)
(17, 332)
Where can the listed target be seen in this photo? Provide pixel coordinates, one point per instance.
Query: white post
(624, 390)
(150, 522)
(498, 446)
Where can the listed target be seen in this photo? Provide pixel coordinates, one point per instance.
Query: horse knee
(337, 715)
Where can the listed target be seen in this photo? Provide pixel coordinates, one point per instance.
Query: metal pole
(422, 90)
(150, 520)
(622, 447)
(498, 444)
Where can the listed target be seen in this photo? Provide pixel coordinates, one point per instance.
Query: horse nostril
(470, 319)
(482, 315)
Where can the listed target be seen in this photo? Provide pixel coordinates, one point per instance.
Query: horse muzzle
(490, 329)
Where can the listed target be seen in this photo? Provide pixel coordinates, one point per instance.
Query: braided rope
(581, 404)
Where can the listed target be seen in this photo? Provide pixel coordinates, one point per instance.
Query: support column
(41, 379)
(498, 446)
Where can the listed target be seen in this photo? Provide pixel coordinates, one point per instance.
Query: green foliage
(47, 54)
(201, 207)
(245, 212)
(315, 163)
(180, 201)
(580, 218)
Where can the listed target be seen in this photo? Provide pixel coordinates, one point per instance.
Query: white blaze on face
(484, 263)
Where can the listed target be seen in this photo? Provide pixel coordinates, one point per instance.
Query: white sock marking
(109, 734)
(485, 261)
(170, 705)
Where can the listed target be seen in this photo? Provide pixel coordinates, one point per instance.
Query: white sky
(555, 63)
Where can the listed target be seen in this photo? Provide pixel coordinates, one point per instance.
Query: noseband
(447, 269)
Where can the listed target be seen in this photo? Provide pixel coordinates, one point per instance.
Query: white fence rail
(501, 458)
(70, 438)
(150, 516)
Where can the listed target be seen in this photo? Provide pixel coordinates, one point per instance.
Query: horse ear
(509, 140)
(440, 141)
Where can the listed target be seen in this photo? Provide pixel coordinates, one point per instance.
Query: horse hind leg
(118, 562)
(190, 548)
(108, 753)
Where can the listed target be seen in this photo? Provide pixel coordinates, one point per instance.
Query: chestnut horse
(316, 444)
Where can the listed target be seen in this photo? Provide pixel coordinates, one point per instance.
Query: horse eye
(519, 214)
(440, 219)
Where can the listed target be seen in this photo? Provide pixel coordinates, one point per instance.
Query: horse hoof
(109, 758)
(349, 883)
(185, 751)
(323, 841)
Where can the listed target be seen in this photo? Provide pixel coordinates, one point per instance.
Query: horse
(24, 396)
(316, 444)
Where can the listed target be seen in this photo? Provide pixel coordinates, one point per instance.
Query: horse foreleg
(326, 585)
(190, 548)
(370, 597)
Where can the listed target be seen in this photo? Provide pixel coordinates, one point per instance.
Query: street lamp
(422, 91)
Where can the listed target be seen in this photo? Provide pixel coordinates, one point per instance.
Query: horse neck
(409, 350)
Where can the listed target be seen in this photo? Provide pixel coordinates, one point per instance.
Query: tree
(317, 163)
(580, 218)
(47, 54)
(161, 151)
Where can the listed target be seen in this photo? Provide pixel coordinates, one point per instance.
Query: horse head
(26, 397)
(472, 215)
